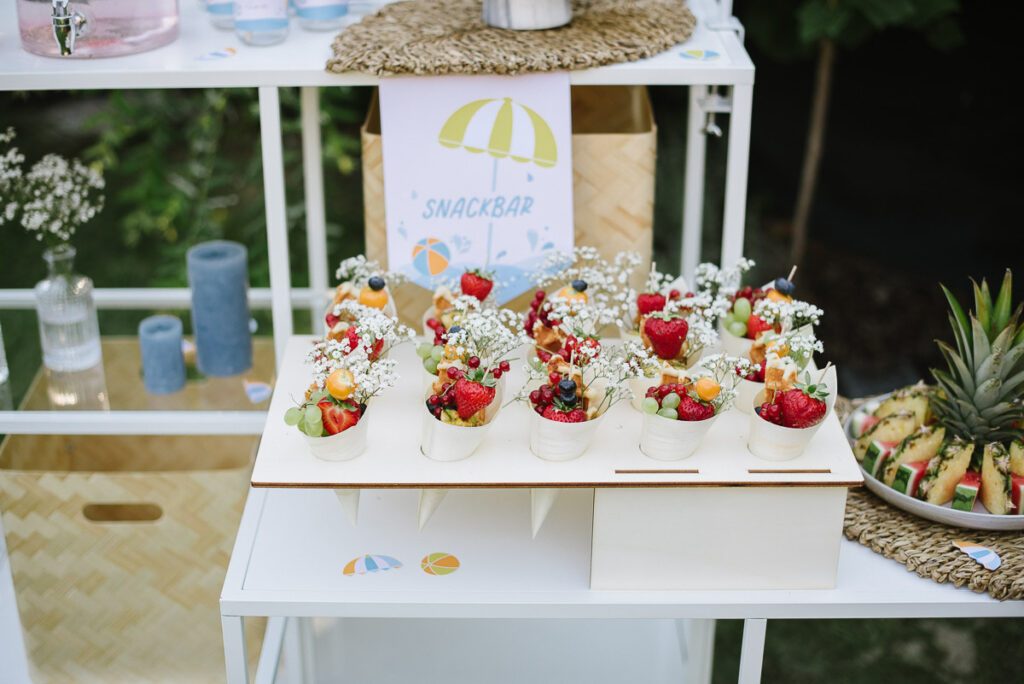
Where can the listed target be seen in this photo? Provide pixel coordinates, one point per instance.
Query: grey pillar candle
(218, 274)
(163, 364)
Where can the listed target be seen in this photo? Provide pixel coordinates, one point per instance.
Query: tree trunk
(812, 153)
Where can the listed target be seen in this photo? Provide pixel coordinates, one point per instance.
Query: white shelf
(292, 546)
(393, 457)
(301, 60)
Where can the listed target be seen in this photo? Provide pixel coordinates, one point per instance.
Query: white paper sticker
(477, 174)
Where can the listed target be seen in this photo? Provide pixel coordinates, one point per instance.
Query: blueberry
(567, 386)
(579, 285)
(454, 329)
(784, 286)
(376, 283)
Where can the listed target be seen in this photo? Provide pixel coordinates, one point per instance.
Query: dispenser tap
(67, 24)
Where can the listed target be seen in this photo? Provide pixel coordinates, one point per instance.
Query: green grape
(741, 309)
(424, 350)
(430, 365)
(437, 353)
(649, 405)
(738, 329)
(292, 416)
(536, 363)
(668, 413)
(318, 396)
(312, 414)
(670, 400)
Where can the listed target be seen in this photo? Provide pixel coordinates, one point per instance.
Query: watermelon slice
(876, 456)
(966, 492)
(1017, 494)
(909, 476)
(862, 422)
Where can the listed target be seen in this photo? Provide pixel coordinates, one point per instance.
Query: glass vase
(68, 329)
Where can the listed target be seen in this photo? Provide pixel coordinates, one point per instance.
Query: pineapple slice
(451, 417)
(892, 428)
(945, 471)
(1017, 457)
(922, 445)
(996, 479)
(913, 399)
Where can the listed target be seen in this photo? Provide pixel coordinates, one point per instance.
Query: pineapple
(1017, 458)
(945, 471)
(982, 388)
(913, 399)
(922, 445)
(995, 479)
(892, 428)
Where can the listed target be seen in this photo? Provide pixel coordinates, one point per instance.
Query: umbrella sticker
(439, 563)
(370, 563)
(504, 129)
(984, 556)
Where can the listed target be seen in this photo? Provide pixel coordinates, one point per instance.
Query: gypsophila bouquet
(726, 371)
(57, 197)
(10, 178)
(790, 315)
(606, 282)
(370, 376)
(722, 282)
(358, 269)
(371, 327)
(488, 335)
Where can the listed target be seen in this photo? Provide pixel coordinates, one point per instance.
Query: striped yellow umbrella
(504, 129)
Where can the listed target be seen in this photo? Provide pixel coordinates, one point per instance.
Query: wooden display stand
(720, 519)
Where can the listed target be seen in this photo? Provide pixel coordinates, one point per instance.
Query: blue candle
(163, 364)
(218, 274)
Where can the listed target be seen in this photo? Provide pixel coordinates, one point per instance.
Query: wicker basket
(614, 144)
(118, 546)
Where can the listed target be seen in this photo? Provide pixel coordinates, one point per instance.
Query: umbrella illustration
(370, 563)
(504, 129)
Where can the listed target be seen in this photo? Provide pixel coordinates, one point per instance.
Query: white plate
(977, 519)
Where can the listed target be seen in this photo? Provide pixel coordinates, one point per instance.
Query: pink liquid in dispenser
(110, 28)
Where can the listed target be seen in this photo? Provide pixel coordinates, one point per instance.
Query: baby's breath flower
(358, 269)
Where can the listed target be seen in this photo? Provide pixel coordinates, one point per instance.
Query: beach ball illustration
(430, 256)
(370, 563)
(439, 563)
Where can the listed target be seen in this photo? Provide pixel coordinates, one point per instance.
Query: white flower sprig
(358, 269)
(491, 335)
(10, 177)
(792, 315)
(58, 197)
(721, 281)
(802, 344)
(582, 319)
(373, 326)
(607, 281)
(727, 372)
(371, 376)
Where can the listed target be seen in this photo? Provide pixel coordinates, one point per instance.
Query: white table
(292, 546)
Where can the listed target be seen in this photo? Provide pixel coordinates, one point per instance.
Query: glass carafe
(96, 28)
(68, 329)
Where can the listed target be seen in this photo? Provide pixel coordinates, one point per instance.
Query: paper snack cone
(343, 446)
(732, 345)
(444, 442)
(746, 392)
(554, 441)
(773, 442)
(665, 439)
(638, 388)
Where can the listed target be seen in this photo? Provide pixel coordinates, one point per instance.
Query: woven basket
(118, 546)
(614, 145)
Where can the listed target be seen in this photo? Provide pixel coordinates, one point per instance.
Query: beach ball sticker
(430, 256)
(439, 563)
(699, 55)
(370, 563)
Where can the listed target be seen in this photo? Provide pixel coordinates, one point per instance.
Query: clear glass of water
(68, 327)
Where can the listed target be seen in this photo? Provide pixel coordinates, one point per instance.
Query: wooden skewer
(792, 274)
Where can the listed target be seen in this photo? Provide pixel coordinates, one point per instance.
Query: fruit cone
(665, 439)
(732, 345)
(343, 446)
(555, 441)
(772, 442)
(445, 442)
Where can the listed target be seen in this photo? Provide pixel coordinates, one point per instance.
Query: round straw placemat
(433, 37)
(927, 548)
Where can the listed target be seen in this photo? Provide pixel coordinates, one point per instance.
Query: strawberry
(800, 409)
(756, 325)
(649, 302)
(471, 397)
(693, 410)
(573, 345)
(576, 415)
(477, 283)
(331, 320)
(666, 333)
(338, 417)
(353, 341)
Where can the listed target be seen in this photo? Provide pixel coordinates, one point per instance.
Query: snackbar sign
(477, 174)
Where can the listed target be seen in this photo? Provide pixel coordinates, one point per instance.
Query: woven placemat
(927, 548)
(433, 37)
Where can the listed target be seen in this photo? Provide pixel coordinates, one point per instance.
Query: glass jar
(68, 328)
(222, 14)
(96, 28)
(261, 22)
(320, 15)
